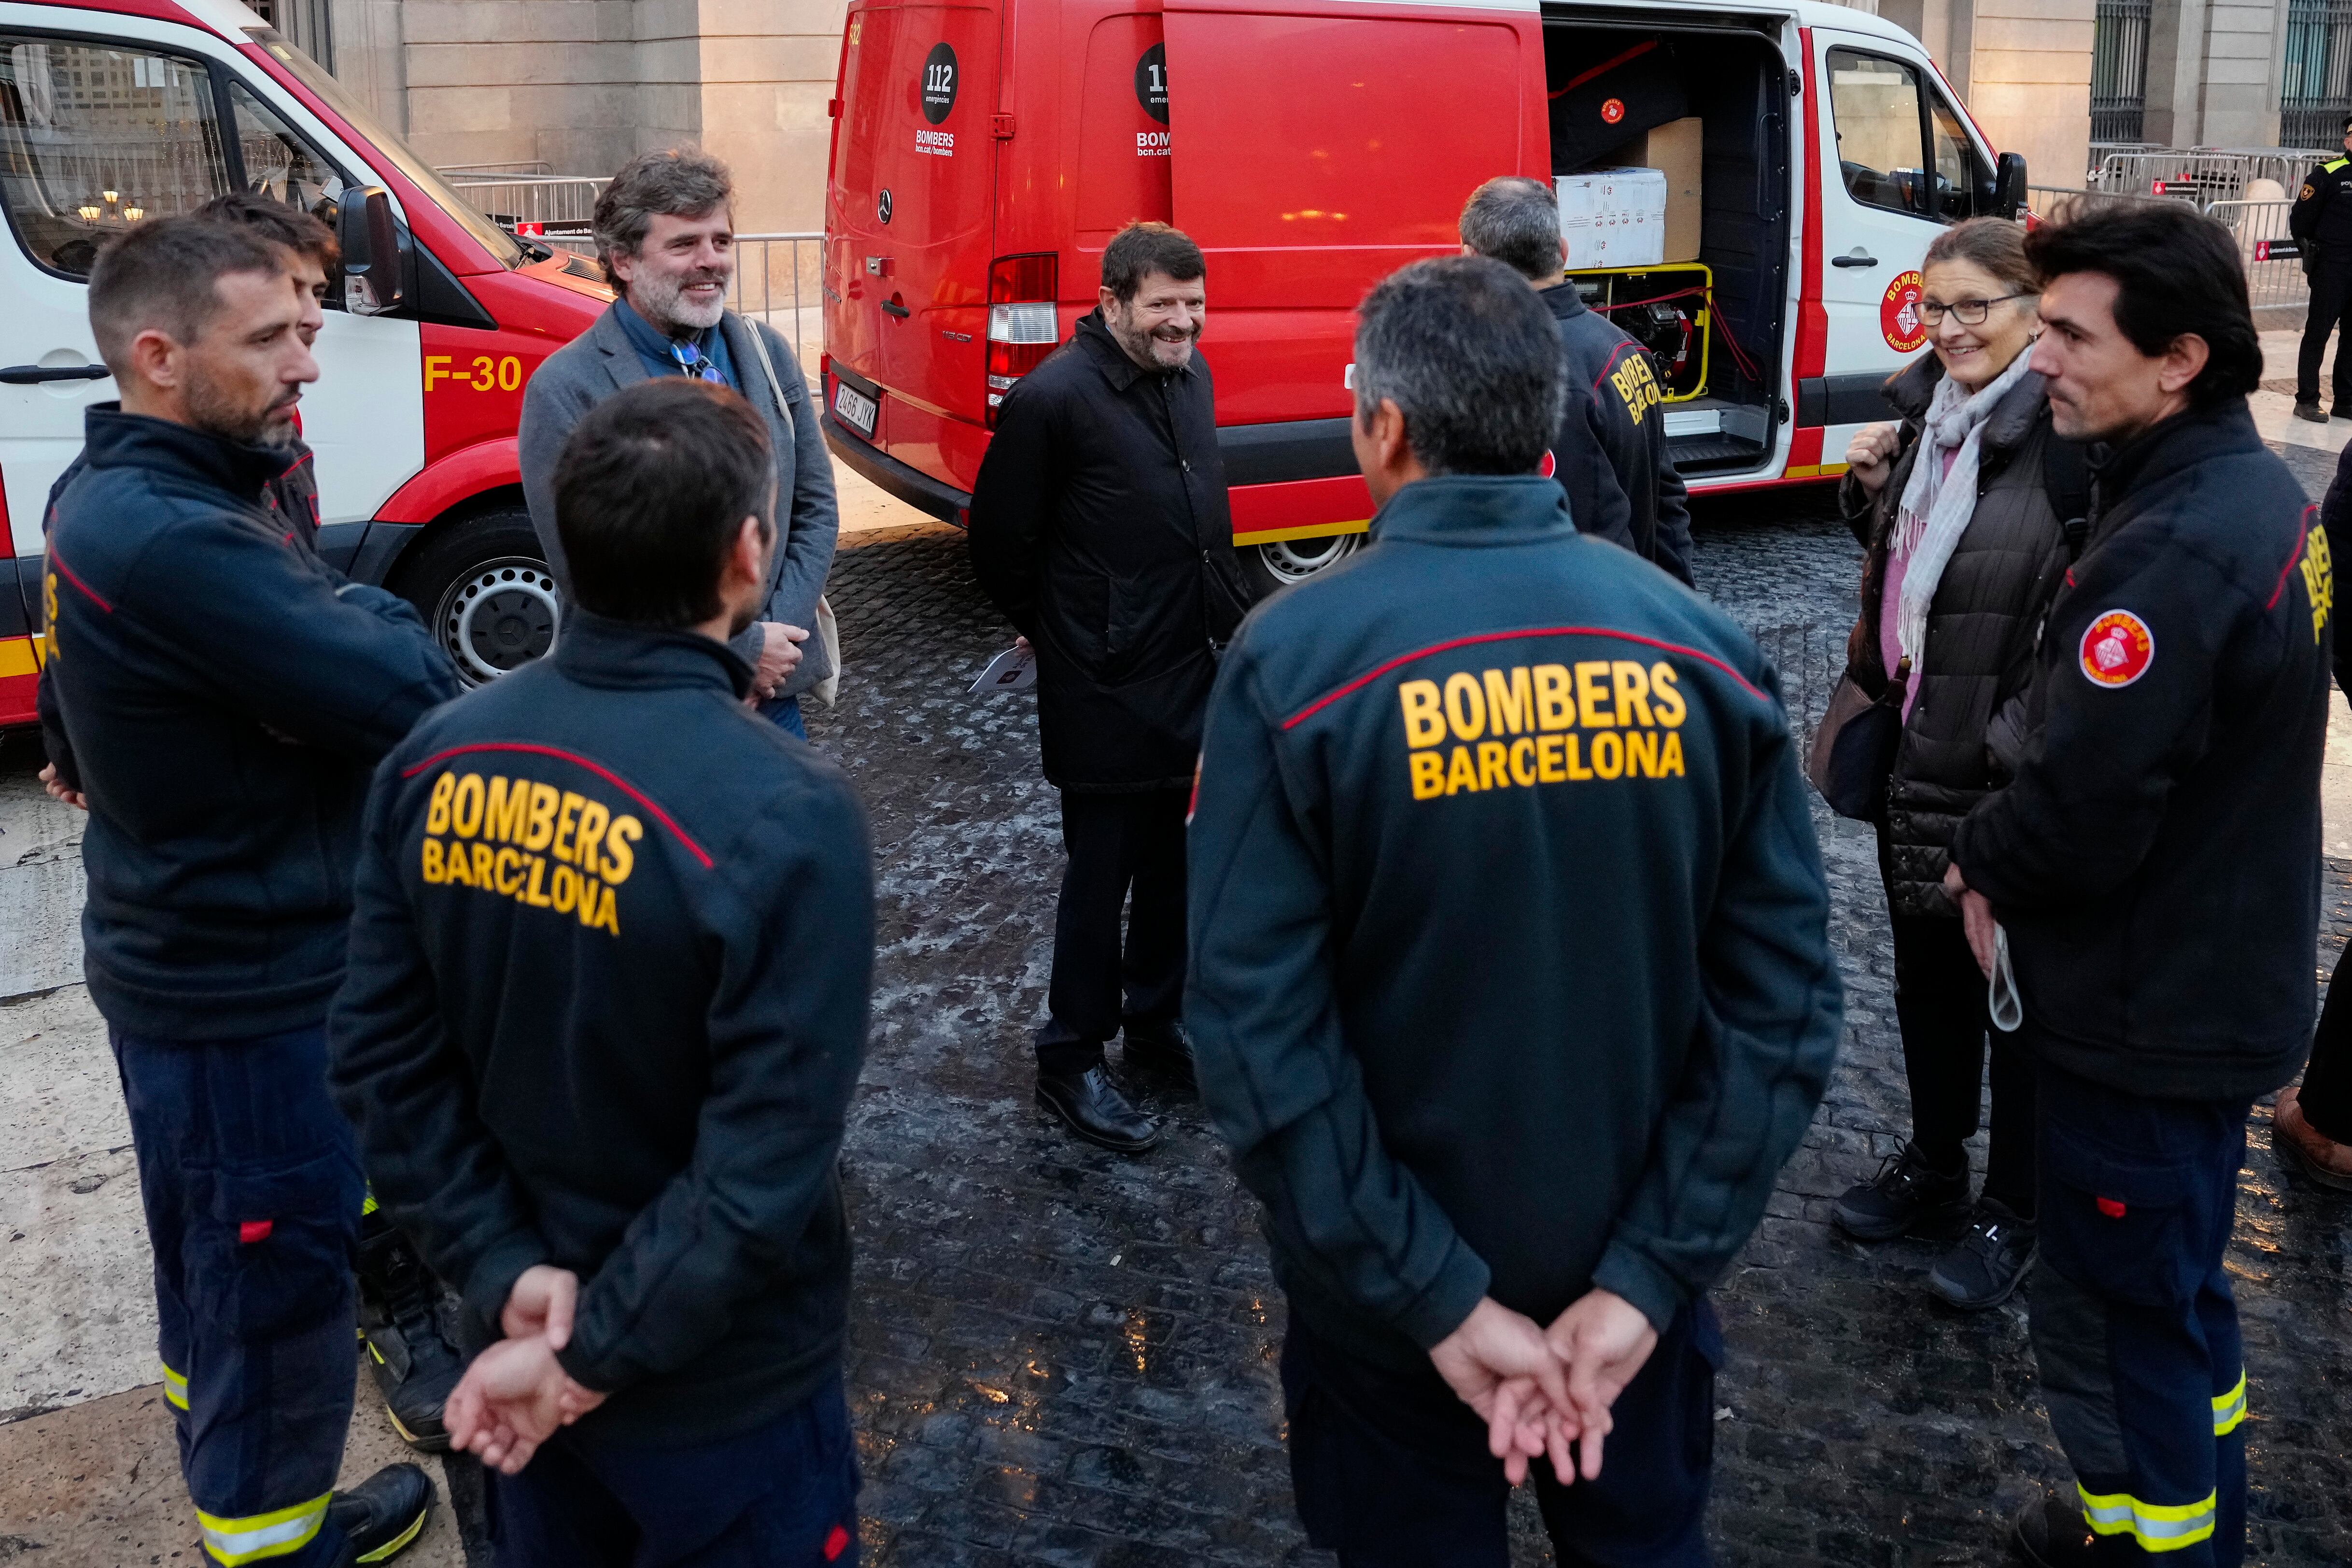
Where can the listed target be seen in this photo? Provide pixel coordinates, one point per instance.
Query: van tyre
(485, 591)
(1274, 567)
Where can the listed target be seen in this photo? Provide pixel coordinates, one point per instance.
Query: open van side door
(1896, 166)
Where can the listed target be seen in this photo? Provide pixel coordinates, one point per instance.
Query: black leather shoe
(384, 1514)
(415, 1369)
(1906, 1194)
(1091, 1105)
(2310, 411)
(2050, 1534)
(1985, 1269)
(1161, 1048)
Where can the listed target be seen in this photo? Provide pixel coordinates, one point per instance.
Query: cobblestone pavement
(1061, 1356)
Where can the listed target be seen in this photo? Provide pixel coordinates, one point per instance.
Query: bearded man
(1098, 524)
(666, 235)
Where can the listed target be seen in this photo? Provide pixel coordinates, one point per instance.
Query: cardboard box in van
(1674, 149)
(1613, 217)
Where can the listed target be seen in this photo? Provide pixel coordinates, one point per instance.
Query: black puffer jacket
(1981, 629)
(1099, 526)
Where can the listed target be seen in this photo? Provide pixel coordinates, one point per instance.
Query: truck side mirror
(374, 282)
(2009, 194)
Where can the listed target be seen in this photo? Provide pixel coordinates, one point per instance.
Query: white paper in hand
(1014, 669)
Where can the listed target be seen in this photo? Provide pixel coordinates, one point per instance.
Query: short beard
(660, 298)
(213, 410)
(1144, 348)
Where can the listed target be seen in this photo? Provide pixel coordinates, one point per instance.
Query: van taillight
(1020, 325)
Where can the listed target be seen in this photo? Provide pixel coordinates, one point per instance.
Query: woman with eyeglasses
(1954, 505)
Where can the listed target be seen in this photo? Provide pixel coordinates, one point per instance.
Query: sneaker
(2305, 1147)
(1985, 1269)
(2050, 1532)
(384, 1513)
(400, 1330)
(2310, 411)
(1906, 1192)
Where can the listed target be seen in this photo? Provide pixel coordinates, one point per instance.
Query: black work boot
(415, 1367)
(1091, 1105)
(1163, 1048)
(1906, 1192)
(2050, 1532)
(384, 1514)
(2310, 411)
(1986, 1266)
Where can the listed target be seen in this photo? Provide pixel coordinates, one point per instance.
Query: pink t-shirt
(1890, 612)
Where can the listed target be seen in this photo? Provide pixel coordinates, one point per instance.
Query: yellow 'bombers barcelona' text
(1542, 725)
(543, 847)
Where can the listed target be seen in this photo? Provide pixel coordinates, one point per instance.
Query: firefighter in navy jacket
(2155, 868)
(1511, 985)
(1610, 453)
(608, 992)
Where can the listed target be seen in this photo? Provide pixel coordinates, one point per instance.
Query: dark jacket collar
(2169, 445)
(112, 438)
(1564, 301)
(1117, 369)
(598, 651)
(1913, 387)
(1476, 509)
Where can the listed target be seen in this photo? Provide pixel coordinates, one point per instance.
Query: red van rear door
(909, 208)
(1312, 155)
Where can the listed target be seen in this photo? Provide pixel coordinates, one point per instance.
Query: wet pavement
(1064, 1357)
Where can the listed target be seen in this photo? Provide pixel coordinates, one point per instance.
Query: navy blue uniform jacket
(608, 989)
(1611, 453)
(222, 694)
(1511, 970)
(2156, 861)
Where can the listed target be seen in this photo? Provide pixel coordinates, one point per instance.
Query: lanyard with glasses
(693, 361)
(1969, 312)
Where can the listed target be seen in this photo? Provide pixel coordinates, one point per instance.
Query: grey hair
(679, 181)
(1515, 220)
(1470, 357)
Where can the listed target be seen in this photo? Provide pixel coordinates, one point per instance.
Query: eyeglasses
(1968, 312)
(692, 360)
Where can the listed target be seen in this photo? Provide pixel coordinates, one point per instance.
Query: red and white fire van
(112, 111)
(985, 151)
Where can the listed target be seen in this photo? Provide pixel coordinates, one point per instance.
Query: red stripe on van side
(1604, 67)
(602, 772)
(1372, 675)
(1812, 320)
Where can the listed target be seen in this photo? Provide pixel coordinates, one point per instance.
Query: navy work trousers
(2135, 1329)
(783, 1495)
(251, 1181)
(1390, 1470)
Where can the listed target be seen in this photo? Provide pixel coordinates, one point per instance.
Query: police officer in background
(1099, 527)
(224, 772)
(1511, 982)
(602, 872)
(1610, 455)
(2155, 866)
(2321, 222)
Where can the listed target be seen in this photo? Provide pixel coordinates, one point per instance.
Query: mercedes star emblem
(882, 208)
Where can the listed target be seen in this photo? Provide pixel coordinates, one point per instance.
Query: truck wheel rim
(1295, 560)
(499, 616)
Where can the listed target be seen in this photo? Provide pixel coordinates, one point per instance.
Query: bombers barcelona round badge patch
(2117, 649)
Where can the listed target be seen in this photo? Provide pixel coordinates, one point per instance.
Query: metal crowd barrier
(2204, 174)
(531, 204)
(780, 278)
(2257, 224)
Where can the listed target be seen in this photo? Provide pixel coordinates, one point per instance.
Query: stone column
(371, 58)
(2030, 83)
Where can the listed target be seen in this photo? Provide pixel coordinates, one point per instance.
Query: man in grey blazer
(665, 234)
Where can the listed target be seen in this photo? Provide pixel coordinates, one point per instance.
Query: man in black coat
(1099, 527)
(1610, 456)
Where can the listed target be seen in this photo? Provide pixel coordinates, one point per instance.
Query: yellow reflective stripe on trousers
(260, 1536)
(175, 1388)
(2229, 1408)
(2157, 1527)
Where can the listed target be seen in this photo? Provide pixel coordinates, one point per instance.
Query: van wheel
(485, 591)
(1278, 566)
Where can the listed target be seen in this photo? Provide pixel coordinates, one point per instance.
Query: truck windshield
(496, 240)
